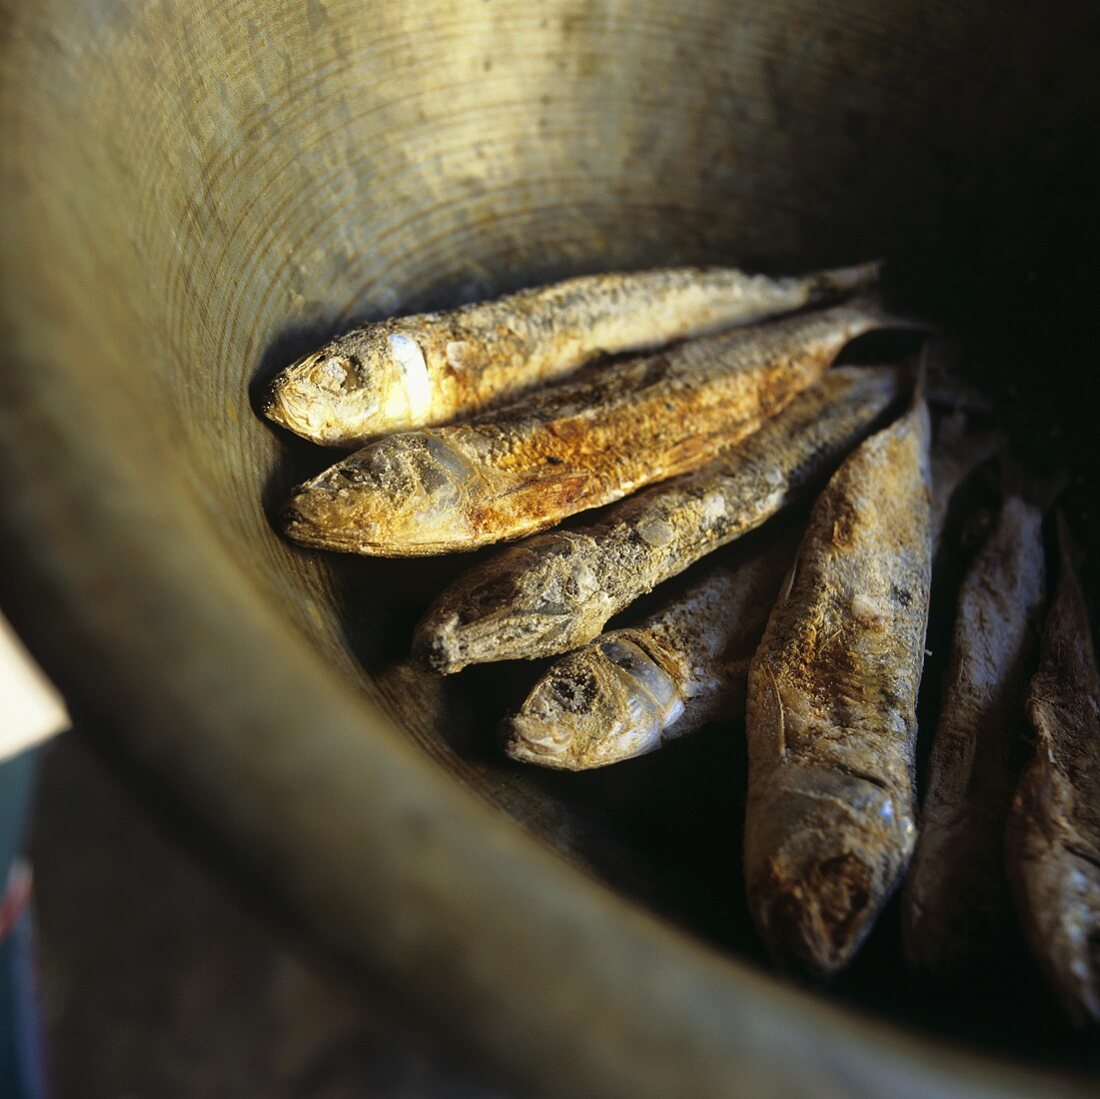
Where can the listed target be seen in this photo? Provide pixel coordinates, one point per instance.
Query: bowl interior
(235, 184)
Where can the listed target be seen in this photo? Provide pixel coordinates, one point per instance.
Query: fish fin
(920, 374)
(788, 583)
(776, 703)
(874, 305)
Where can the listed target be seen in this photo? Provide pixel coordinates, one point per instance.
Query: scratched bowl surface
(195, 193)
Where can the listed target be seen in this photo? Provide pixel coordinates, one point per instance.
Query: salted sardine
(631, 690)
(955, 903)
(557, 590)
(1053, 837)
(831, 710)
(571, 447)
(430, 368)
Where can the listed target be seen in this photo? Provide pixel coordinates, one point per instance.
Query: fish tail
(872, 307)
(847, 280)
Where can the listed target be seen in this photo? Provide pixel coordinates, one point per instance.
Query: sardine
(557, 590)
(955, 904)
(1053, 836)
(632, 690)
(571, 447)
(831, 710)
(430, 368)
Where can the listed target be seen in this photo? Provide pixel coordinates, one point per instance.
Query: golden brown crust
(570, 447)
(430, 368)
(956, 909)
(831, 715)
(556, 591)
(1053, 834)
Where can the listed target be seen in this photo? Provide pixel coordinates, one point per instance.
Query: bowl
(195, 193)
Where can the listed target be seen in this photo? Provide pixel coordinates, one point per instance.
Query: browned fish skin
(557, 590)
(1053, 835)
(831, 713)
(568, 448)
(630, 691)
(429, 368)
(955, 904)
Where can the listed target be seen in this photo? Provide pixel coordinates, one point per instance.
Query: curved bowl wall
(194, 193)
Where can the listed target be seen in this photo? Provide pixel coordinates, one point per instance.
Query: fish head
(821, 861)
(353, 389)
(605, 702)
(403, 495)
(535, 598)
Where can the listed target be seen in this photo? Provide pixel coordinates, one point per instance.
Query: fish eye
(334, 370)
(333, 374)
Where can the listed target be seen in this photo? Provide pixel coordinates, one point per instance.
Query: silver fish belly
(430, 368)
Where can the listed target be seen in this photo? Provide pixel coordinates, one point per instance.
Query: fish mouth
(530, 739)
(305, 524)
(818, 920)
(448, 644)
(304, 520)
(297, 405)
(434, 650)
(273, 405)
(814, 907)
